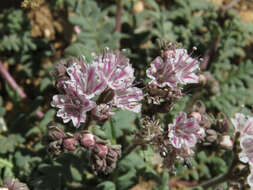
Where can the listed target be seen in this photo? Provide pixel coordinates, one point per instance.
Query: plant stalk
(10, 80)
(118, 18)
(229, 175)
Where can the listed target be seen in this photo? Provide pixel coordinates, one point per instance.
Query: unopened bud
(138, 7)
(211, 135)
(202, 79)
(225, 125)
(77, 29)
(88, 140)
(60, 68)
(70, 144)
(196, 115)
(101, 150)
(55, 133)
(55, 147)
(201, 133)
(114, 153)
(226, 142)
(98, 164)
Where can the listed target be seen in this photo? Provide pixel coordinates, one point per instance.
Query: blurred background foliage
(36, 34)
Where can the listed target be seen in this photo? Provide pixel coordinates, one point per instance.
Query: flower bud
(101, 150)
(98, 164)
(55, 147)
(60, 68)
(201, 133)
(138, 7)
(70, 144)
(196, 115)
(202, 79)
(55, 133)
(77, 29)
(211, 135)
(105, 157)
(225, 125)
(87, 140)
(114, 152)
(226, 142)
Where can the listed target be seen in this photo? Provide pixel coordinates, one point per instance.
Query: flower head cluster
(168, 72)
(173, 68)
(103, 156)
(184, 132)
(177, 142)
(96, 88)
(244, 126)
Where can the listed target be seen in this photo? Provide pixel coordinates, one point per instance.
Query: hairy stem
(118, 18)
(6, 75)
(209, 55)
(10, 80)
(229, 175)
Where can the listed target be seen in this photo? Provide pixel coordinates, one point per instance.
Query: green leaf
(164, 182)
(125, 181)
(106, 185)
(44, 84)
(8, 144)
(77, 176)
(195, 174)
(48, 117)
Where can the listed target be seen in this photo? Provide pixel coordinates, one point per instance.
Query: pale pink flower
(128, 99)
(184, 132)
(246, 155)
(176, 66)
(115, 68)
(85, 77)
(108, 80)
(72, 105)
(243, 124)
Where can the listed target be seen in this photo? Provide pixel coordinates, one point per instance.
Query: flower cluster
(103, 156)
(92, 91)
(95, 88)
(182, 135)
(168, 72)
(244, 126)
(185, 132)
(173, 68)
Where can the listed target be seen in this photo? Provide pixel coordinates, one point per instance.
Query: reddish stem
(10, 80)
(175, 183)
(210, 54)
(118, 17)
